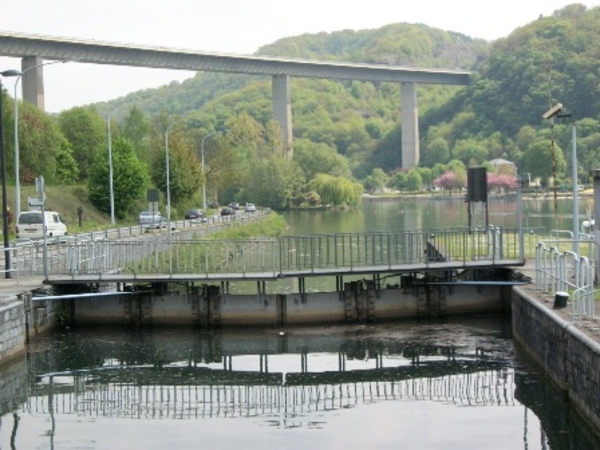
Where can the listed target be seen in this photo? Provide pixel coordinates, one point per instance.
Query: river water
(455, 383)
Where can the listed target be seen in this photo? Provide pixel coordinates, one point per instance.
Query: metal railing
(172, 253)
(566, 271)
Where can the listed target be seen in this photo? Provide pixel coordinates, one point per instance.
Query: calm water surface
(456, 384)
(396, 214)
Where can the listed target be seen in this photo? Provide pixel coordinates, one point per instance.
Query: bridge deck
(266, 276)
(176, 257)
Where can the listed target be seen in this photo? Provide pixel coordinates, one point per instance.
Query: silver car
(150, 219)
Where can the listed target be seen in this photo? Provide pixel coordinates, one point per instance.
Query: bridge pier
(33, 81)
(33, 92)
(410, 125)
(282, 110)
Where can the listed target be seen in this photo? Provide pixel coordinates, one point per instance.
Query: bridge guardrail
(27, 256)
(171, 253)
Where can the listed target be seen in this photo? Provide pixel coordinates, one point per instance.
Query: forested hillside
(346, 134)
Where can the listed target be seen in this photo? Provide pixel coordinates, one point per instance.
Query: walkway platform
(273, 275)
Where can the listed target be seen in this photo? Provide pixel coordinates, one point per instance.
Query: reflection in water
(90, 387)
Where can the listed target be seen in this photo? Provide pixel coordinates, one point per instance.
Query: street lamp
(16, 108)
(5, 230)
(168, 175)
(203, 172)
(553, 112)
(110, 176)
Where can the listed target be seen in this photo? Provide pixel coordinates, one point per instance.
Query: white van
(30, 225)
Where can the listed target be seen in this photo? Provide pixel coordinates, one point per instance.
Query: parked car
(195, 214)
(227, 211)
(213, 204)
(234, 205)
(150, 219)
(30, 225)
(250, 207)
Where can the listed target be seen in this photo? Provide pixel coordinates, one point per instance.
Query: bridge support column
(410, 125)
(282, 110)
(33, 81)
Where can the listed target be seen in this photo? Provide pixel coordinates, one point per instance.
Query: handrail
(566, 271)
(176, 254)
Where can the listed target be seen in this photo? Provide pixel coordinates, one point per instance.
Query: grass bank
(272, 225)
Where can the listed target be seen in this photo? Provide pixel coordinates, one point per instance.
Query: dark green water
(438, 212)
(456, 384)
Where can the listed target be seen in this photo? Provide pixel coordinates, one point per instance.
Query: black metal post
(5, 229)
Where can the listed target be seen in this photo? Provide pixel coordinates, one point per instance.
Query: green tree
(426, 175)
(130, 179)
(398, 181)
(376, 181)
(137, 127)
(43, 150)
(337, 191)
(185, 175)
(87, 133)
(316, 158)
(436, 151)
(414, 182)
(273, 181)
(541, 157)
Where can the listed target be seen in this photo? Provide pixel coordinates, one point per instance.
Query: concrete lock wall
(13, 384)
(12, 329)
(356, 304)
(568, 356)
(20, 320)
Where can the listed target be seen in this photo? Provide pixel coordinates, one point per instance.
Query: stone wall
(570, 358)
(12, 329)
(13, 384)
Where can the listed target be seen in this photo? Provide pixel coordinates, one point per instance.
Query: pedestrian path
(11, 288)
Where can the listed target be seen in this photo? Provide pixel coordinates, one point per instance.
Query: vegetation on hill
(347, 135)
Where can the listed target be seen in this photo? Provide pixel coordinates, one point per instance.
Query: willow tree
(337, 191)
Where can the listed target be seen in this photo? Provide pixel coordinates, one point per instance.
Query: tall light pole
(110, 176)
(203, 172)
(5, 230)
(553, 112)
(16, 137)
(575, 184)
(168, 175)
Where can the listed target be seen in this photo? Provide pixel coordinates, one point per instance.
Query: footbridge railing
(318, 254)
(570, 272)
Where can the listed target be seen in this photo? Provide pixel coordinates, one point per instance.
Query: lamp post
(553, 112)
(16, 137)
(203, 172)
(167, 169)
(575, 182)
(110, 176)
(5, 230)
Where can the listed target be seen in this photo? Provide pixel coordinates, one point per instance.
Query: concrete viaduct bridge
(33, 49)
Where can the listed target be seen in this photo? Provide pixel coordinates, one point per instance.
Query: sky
(228, 26)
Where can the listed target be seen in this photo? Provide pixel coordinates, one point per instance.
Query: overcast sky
(229, 26)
